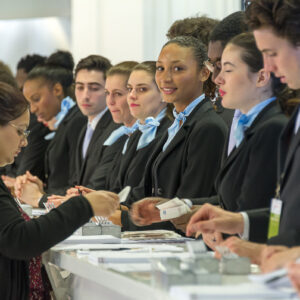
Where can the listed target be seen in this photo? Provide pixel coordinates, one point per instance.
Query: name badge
(274, 221)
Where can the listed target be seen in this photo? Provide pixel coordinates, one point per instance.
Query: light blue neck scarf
(65, 106)
(246, 120)
(149, 129)
(180, 118)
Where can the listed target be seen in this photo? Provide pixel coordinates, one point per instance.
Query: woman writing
(23, 240)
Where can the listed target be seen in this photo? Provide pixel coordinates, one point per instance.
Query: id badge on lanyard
(275, 213)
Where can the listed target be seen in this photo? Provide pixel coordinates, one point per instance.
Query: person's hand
(280, 259)
(212, 239)
(116, 218)
(30, 194)
(84, 190)
(103, 203)
(244, 249)
(294, 274)
(8, 181)
(73, 192)
(266, 255)
(210, 219)
(145, 212)
(27, 177)
(57, 200)
(182, 221)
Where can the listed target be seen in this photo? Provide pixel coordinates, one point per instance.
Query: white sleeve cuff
(245, 234)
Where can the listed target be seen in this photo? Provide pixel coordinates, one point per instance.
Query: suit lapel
(181, 135)
(288, 144)
(269, 111)
(99, 130)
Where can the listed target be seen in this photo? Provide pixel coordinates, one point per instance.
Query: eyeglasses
(21, 132)
(213, 66)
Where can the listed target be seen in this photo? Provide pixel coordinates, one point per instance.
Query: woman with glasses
(186, 160)
(23, 240)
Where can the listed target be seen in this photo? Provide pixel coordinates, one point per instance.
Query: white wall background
(118, 29)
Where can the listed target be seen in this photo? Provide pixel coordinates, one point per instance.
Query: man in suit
(276, 28)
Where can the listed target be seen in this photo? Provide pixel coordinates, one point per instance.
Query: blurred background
(118, 29)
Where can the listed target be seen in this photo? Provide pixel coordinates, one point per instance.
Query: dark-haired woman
(49, 90)
(22, 240)
(186, 161)
(248, 176)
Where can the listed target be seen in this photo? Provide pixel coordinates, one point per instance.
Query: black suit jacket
(131, 173)
(60, 154)
(248, 176)
(189, 165)
(21, 240)
(288, 176)
(133, 162)
(86, 168)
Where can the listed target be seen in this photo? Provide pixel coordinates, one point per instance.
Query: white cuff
(245, 234)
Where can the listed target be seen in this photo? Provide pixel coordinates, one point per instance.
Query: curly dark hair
(197, 27)
(283, 16)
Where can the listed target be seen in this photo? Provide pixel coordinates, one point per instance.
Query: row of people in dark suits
(278, 41)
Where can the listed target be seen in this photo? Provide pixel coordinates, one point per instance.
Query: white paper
(236, 291)
(90, 239)
(123, 268)
(173, 208)
(124, 194)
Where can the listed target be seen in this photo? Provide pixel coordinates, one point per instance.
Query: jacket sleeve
(22, 240)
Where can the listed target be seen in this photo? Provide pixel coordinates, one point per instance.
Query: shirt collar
(96, 119)
(187, 111)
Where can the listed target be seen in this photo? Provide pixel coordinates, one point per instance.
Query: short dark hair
(197, 27)
(58, 68)
(28, 62)
(229, 27)
(283, 16)
(12, 103)
(6, 75)
(94, 62)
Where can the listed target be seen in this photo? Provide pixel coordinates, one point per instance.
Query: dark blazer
(85, 168)
(132, 169)
(288, 176)
(134, 161)
(21, 240)
(60, 154)
(289, 170)
(189, 165)
(242, 184)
